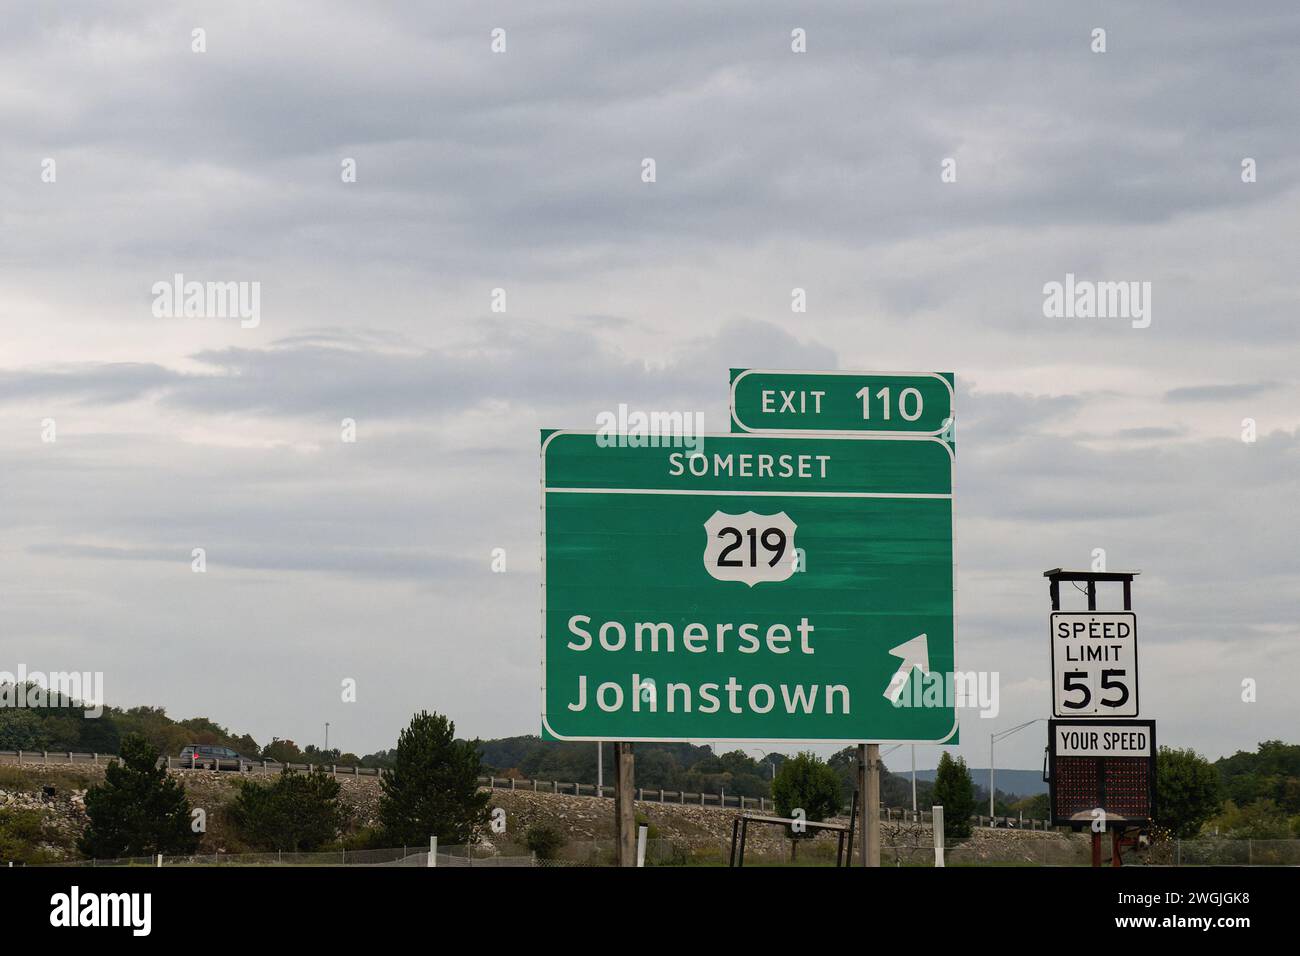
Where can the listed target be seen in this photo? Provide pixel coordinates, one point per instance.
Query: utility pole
(327, 736)
(993, 738)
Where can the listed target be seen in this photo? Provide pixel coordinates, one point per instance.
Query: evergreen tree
(139, 810)
(432, 788)
(300, 812)
(954, 791)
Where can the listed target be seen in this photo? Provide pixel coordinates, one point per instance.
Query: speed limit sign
(1094, 664)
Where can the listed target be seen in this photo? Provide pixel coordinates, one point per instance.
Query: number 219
(772, 539)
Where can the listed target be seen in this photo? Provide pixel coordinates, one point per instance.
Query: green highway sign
(851, 404)
(749, 587)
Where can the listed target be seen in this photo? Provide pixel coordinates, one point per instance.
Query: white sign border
(1075, 715)
(842, 433)
(956, 715)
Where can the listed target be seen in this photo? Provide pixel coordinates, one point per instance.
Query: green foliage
(432, 788)
(1261, 820)
(545, 841)
(805, 782)
(954, 791)
(23, 834)
(1037, 807)
(300, 812)
(895, 788)
(1272, 773)
(139, 810)
(282, 751)
(641, 820)
(674, 767)
(22, 729)
(1187, 791)
(48, 720)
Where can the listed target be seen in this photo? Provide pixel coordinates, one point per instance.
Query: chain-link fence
(389, 856)
(906, 847)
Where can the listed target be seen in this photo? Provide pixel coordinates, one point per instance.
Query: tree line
(1247, 795)
(430, 790)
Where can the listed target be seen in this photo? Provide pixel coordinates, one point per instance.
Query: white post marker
(936, 817)
(914, 783)
(640, 845)
(433, 851)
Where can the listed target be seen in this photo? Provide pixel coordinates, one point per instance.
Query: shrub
(21, 834)
(300, 812)
(139, 810)
(545, 841)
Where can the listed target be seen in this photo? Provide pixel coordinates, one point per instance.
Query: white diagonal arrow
(915, 653)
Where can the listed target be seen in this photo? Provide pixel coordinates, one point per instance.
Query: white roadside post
(936, 823)
(640, 845)
(914, 816)
(433, 851)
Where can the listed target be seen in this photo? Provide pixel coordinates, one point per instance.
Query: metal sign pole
(863, 802)
(872, 841)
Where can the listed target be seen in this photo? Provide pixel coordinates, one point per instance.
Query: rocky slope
(683, 832)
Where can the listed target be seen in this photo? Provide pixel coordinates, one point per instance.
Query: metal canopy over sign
(1106, 766)
(847, 404)
(1094, 664)
(756, 587)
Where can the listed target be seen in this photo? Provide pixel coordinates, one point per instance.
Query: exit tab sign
(851, 404)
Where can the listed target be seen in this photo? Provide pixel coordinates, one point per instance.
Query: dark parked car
(204, 757)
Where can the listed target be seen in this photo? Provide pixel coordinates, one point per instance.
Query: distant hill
(1024, 783)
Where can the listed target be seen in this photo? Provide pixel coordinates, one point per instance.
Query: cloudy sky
(522, 171)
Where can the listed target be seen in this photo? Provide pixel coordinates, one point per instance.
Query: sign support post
(872, 841)
(869, 804)
(862, 804)
(624, 809)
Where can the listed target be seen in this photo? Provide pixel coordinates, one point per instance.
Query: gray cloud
(521, 171)
(1217, 393)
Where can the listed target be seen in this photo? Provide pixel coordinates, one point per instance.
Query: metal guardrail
(722, 799)
(643, 794)
(68, 757)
